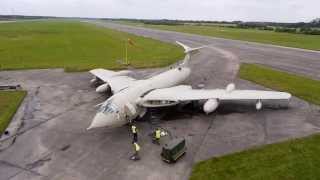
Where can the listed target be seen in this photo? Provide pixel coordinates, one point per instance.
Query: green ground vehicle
(173, 150)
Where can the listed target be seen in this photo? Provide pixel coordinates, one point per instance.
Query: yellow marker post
(129, 41)
(126, 53)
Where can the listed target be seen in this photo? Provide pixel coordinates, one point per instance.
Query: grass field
(299, 86)
(77, 46)
(9, 103)
(311, 42)
(295, 159)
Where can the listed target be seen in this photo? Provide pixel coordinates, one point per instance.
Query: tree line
(311, 28)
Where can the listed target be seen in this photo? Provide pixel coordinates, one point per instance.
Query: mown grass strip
(299, 86)
(77, 46)
(9, 103)
(294, 159)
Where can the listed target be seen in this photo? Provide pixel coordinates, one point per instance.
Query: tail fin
(188, 51)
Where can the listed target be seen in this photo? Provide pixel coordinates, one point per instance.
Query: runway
(54, 143)
(299, 61)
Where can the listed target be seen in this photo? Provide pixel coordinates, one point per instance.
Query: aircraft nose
(102, 120)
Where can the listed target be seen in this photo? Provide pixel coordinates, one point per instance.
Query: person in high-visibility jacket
(134, 131)
(136, 147)
(157, 135)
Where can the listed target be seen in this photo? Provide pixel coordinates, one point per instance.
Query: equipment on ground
(173, 150)
(10, 87)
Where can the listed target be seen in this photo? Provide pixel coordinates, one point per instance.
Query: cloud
(246, 10)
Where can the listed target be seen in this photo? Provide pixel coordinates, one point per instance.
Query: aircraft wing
(186, 93)
(118, 83)
(116, 80)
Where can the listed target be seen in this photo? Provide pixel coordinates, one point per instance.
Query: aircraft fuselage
(123, 106)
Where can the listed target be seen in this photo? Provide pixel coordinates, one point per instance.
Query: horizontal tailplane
(188, 51)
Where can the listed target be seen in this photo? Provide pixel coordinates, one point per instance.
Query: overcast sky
(245, 10)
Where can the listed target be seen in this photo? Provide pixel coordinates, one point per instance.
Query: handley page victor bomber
(132, 97)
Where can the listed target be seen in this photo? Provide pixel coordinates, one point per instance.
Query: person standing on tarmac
(135, 156)
(157, 135)
(134, 131)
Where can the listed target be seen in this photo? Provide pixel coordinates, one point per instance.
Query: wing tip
(289, 96)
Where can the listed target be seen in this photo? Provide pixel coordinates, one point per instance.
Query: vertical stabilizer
(188, 51)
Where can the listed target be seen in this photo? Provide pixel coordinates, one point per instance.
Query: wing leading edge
(186, 93)
(116, 80)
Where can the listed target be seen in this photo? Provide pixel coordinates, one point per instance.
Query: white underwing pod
(210, 106)
(259, 105)
(230, 87)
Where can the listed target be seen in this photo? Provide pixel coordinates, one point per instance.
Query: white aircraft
(132, 97)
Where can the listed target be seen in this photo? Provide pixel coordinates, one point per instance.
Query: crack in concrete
(19, 167)
(30, 105)
(39, 162)
(14, 175)
(202, 141)
(45, 121)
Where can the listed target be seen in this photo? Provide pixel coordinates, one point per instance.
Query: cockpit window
(108, 107)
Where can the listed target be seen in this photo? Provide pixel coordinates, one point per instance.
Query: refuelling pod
(210, 106)
(103, 88)
(259, 105)
(230, 87)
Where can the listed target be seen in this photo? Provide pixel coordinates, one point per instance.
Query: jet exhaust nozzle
(103, 88)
